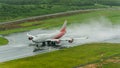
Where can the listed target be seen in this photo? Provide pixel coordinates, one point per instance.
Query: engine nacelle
(71, 40)
(30, 38)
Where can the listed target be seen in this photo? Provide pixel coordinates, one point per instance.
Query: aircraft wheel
(53, 43)
(43, 44)
(49, 43)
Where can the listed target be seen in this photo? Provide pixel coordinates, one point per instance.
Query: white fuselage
(44, 37)
(41, 38)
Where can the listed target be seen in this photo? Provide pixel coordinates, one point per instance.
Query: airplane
(50, 39)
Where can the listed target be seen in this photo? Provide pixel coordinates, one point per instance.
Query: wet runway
(18, 47)
(18, 43)
(9, 53)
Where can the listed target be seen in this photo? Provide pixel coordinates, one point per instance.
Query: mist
(99, 30)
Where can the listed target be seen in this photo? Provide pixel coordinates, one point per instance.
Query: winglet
(63, 29)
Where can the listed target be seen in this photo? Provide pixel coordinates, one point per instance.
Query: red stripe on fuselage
(59, 35)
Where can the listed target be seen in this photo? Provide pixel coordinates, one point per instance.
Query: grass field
(3, 41)
(112, 62)
(68, 57)
(112, 15)
(28, 8)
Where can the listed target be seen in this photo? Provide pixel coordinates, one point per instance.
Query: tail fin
(63, 29)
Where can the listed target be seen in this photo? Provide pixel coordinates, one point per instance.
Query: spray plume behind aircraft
(99, 30)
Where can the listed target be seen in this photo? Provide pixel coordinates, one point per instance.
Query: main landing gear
(39, 46)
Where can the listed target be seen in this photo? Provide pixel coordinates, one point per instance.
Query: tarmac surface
(18, 46)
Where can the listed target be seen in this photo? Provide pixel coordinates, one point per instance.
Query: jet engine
(71, 40)
(30, 38)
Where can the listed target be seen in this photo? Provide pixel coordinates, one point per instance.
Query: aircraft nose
(30, 38)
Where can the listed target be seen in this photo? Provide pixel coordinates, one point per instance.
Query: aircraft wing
(70, 40)
(64, 39)
(53, 40)
(85, 37)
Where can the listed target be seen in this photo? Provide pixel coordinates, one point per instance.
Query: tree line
(62, 2)
(12, 9)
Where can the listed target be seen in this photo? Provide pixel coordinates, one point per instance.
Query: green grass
(3, 41)
(109, 62)
(112, 15)
(111, 65)
(113, 62)
(11, 10)
(69, 57)
(66, 58)
(24, 11)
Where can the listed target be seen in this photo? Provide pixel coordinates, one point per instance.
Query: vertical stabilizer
(63, 29)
